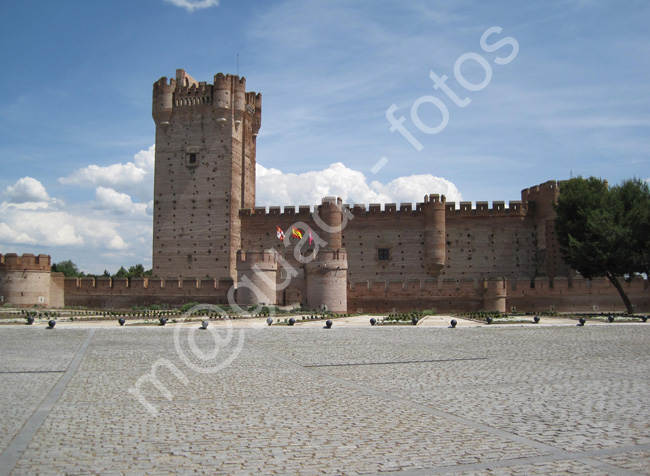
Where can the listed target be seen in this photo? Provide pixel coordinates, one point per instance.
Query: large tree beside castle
(604, 231)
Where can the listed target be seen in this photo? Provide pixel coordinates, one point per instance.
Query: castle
(212, 245)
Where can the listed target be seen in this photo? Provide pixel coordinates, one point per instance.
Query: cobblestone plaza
(484, 400)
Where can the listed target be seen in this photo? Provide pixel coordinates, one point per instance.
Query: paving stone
(502, 400)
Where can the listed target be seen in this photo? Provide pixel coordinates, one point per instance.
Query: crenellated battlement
(435, 198)
(146, 286)
(540, 199)
(303, 211)
(194, 89)
(387, 208)
(254, 99)
(25, 262)
(228, 91)
(193, 95)
(251, 257)
(514, 208)
(547, 187)
(164, 83)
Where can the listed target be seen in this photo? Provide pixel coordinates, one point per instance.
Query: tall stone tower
(204, 173)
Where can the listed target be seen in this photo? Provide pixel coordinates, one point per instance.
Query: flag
(310, 238)
(280, 234)
(296, 233)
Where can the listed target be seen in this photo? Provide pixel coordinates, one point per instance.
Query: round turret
(327, 274)
(25, 280)
(240, 98)
(222, 93)
(256, 273)
(163, 101)
(332, 216)
(327, 281)
(495, 293)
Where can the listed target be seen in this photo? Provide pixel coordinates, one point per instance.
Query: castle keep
(205, 173)
(211, 244)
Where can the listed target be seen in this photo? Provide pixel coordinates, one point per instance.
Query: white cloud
(121, 175)
(191, 5)
(57, 228)
(27, 190)
(413, 188)
(115, 222)
(132, 177)
(111, 200)
(145, 159)
(277, 188)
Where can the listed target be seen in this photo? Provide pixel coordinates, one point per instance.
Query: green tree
(121, 273)
(598, 229)
(633, 197)
(136, 271)
(68, 268)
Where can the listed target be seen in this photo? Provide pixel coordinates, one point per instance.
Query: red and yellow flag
(296, 233)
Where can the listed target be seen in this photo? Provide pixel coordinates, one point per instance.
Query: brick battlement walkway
(489, 400)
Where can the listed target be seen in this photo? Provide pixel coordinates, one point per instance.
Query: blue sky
(76, 130)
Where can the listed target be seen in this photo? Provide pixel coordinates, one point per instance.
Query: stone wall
(481, 242)
(124, 293)
(489, 244)
(465, 295)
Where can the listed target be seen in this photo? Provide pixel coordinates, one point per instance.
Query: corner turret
(163, 101)
(539, 201)
(25, 281)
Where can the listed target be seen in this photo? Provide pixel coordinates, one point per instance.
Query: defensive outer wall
(440, 295)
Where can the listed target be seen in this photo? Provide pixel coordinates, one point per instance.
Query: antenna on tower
(237, 64)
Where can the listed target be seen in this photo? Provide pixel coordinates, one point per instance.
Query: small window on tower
(383, 254)
(191, 156)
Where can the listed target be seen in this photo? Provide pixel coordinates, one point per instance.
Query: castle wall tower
(25, 281)
(204, 173)
(540, 200)
(257, 273)
(495, 292)
(327, 274)
(434, 233)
